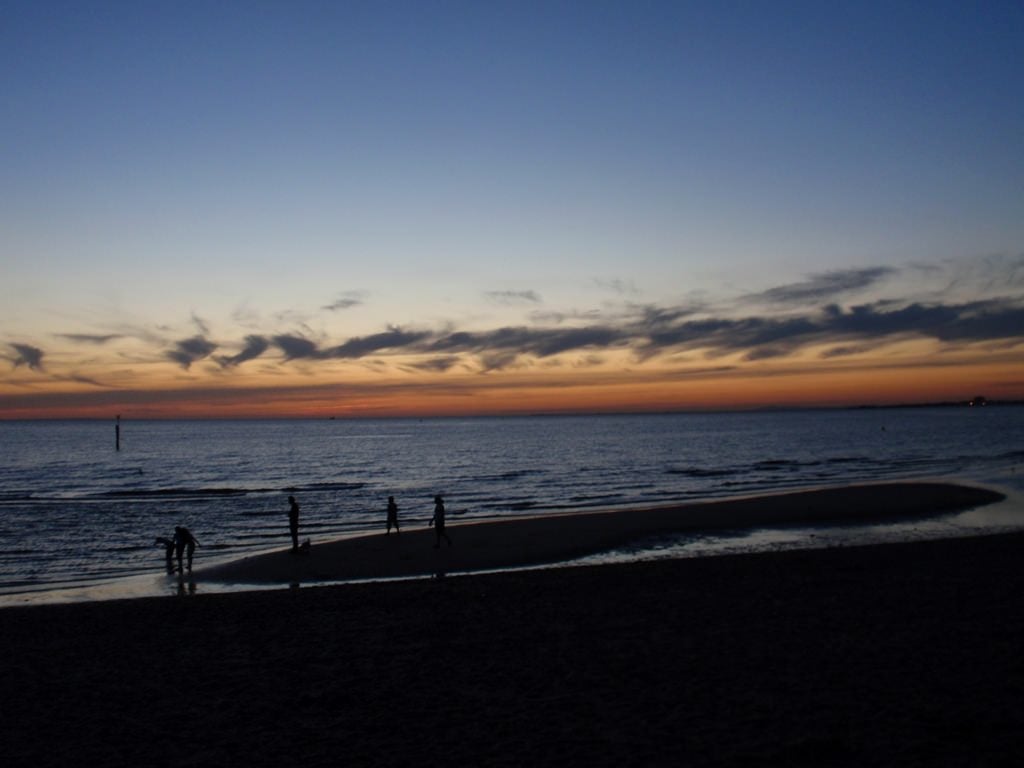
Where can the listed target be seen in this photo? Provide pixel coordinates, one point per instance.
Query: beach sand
(898, 654)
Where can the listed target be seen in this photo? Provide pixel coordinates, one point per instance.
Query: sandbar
(546, 539)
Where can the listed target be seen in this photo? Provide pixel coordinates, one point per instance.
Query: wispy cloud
(550, 317)
(513, 297)
(198, 322)
(346, 300)
(823, 287)
(80, 379)
(846, 350)
(438, 364)
(85, 338)
(994, 274)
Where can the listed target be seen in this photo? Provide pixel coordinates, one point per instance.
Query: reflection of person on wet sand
(168, 545)
(392, 515)
(183, 539)
(293, 522)
(438, 522)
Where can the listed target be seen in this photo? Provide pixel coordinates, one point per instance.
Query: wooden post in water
(117, 433)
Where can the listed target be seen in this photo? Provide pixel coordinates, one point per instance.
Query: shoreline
(539, 540)
(574, 539)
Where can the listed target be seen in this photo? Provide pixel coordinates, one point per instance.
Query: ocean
(75, 512)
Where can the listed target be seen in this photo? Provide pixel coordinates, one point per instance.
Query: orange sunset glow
(556, 388)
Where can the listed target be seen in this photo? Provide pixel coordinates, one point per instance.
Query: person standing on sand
(293, 522)
(392, 515)
(183, 539)
(438, 522)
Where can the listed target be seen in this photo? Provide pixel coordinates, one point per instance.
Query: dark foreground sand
(902, 654)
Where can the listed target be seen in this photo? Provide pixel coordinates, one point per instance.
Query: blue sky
(332, 170)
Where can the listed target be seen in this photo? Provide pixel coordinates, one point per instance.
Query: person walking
(293, 522)
(437, 521)
(392, 516)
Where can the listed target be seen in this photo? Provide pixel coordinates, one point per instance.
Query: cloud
(653, 316)
(291, 317)
(1012, 274)
(254, 347)
(500, 348)
(766, 353)
(27, 355)
(144, 334)
(393, 338)
(497, 360)
(513, 297)
(84, 338)
(347, 300)
(299, 347)
(986, 275)
(554, 318)
(760, 337)
(438, 364)
(204, 329)
(339, 304)
(246, 316)
(296, 347)
(188, 351)
(555, 342)
(654, 331)
(845, 351)
(80, 379)
(824, 286)
(541, 317)
(985, 321)
(812, 318)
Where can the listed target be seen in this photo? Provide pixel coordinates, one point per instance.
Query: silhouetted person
(184, 540)
(293, 522)
(392, 515)
(168, 545)
(438, 522)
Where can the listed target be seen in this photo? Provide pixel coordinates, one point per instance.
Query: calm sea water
(73, 510)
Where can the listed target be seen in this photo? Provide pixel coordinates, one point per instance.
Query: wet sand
(899, 654)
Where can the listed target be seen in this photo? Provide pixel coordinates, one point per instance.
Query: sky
(320, 209)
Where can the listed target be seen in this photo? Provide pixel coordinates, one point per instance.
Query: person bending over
(184, 542)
